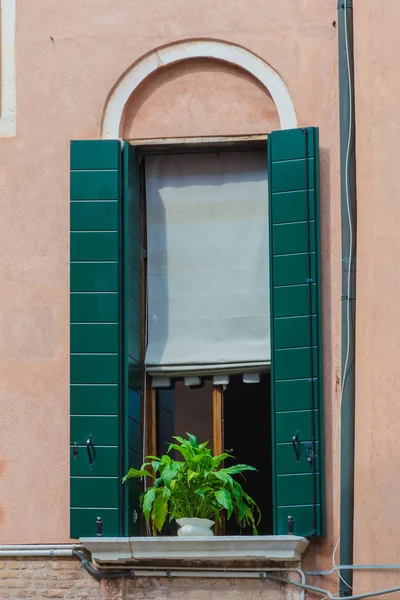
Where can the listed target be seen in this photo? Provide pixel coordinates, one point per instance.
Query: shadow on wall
(199, 97)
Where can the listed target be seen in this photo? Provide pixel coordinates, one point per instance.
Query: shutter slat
(94, 399)
(83, 521)
(103, 429)
(94, 308)
(95, 155)
(95, 185)
(296, 366)
(92, 246)
(105, 465)
(89, 216)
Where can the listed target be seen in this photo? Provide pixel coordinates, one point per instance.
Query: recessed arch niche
(201, 72)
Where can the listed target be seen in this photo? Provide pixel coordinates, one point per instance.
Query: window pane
(184, 410)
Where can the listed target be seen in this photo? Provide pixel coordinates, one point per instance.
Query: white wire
(335, 595)
(334, 564)
(350, 253)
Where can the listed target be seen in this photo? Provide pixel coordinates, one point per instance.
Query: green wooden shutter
(296, 362)
(98, 367)
(132, 247)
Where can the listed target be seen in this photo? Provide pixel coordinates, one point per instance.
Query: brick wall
(201, 589)
(38, 578)
(65, 578)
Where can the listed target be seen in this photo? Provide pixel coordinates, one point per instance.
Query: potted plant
(195, 490)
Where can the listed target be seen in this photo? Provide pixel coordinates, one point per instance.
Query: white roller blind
(208, 266)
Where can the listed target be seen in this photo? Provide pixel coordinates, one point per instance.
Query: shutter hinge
(99, 527)
(310, 451)
(290, 521)
(351, 297)
(143, 254)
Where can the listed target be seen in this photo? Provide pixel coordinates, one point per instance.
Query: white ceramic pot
(195, 527)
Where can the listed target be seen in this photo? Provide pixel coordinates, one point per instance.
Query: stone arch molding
(190, 49)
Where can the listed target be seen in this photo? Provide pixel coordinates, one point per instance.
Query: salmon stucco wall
(69, 56)
(232, 101)
(377, 491)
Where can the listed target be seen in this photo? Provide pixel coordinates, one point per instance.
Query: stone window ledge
(221, 549)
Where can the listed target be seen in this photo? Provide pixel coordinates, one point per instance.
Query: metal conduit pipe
(39, 549)
(353, 568)
(33, 553)
(329, 594)
(223, 569)
(41, 546)
(349, 225)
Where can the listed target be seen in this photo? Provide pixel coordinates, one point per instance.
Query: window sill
(276, 548)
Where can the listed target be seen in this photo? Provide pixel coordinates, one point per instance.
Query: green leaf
(193, 440)
(217, 460)
(224, 477)
(147, 502)
(132, 473)
(192, 475)
(179, 439)
(169, 472)
(224, 499)
(179, 449)
(160, 511)
(166, 493)
(199, 458)
(235, 469)
(156, 464)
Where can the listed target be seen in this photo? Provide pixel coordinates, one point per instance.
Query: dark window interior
(183, 410)
(247, 426)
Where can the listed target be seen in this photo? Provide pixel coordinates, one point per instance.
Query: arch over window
(180, 51)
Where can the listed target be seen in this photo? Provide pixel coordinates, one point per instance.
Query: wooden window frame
(150, 419)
